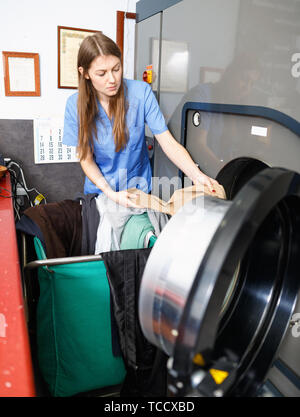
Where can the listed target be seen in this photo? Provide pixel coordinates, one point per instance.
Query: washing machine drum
(221, 283)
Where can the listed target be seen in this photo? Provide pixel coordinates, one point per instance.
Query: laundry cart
(70, 318)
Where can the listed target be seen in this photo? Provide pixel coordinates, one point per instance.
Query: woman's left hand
(204, 180)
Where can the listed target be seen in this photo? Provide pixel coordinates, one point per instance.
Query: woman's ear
(80, 69)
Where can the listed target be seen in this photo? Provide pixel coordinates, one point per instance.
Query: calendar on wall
(48, 146)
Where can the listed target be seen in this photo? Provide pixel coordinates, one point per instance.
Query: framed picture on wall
(69, 40)
(21, 73)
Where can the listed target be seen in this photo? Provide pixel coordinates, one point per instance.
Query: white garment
(113, 218)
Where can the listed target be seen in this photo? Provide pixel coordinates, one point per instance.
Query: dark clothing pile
(60, 226)
(145, 364)
(66, 228)
(69, 228)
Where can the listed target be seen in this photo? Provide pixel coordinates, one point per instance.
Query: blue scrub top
(129, 167)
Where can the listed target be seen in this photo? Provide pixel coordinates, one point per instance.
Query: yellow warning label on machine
(198, 359)
(218, 375)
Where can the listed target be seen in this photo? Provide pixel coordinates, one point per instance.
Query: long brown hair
(90, 48)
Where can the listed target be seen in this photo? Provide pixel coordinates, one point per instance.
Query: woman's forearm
(92, 171)
(94, 174)
(178, 155)
(182, 159)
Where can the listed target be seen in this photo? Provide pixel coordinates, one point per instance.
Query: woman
(106, 120)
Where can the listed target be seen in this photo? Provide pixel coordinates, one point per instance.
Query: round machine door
(220, 286)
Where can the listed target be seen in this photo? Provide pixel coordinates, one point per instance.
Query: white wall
(31, 26)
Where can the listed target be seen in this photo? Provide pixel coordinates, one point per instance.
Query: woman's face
(105, 73)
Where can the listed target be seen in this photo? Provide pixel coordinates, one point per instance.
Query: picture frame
(21, 73)
(69, 40)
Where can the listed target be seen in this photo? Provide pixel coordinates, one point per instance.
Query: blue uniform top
(129, 167)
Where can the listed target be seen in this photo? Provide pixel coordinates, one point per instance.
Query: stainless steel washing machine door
(221, 284)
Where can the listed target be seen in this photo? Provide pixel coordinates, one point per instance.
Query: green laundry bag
(74, 328)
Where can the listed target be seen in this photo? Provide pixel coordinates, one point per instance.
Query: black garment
(145, 364)
(115, 343)
(90, 222)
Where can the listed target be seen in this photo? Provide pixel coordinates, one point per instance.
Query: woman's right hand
(124, 198)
